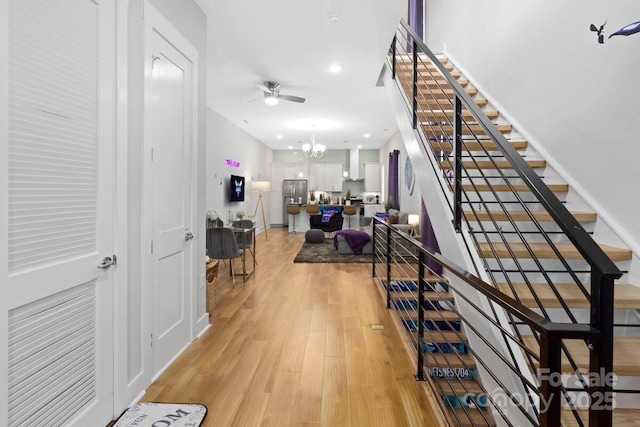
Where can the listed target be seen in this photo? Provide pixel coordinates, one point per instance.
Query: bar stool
(349, 210)
(293, 210)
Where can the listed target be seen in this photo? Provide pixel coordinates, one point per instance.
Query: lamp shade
(413, 219)
(260, 186)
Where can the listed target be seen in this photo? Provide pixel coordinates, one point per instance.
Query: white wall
(573, 98)
(408, 202)
(227, 141)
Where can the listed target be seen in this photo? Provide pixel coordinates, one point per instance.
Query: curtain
(394, 193)
(428, 238)
(415, 18)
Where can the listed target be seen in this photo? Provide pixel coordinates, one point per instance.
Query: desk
(245, 234)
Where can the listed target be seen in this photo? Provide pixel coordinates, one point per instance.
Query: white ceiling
(294, 43)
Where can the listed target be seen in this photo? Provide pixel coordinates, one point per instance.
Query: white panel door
(56, 193)
(169, 113)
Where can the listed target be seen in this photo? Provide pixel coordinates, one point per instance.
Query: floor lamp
(260, 187)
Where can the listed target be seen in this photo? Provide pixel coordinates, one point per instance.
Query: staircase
(524, 252)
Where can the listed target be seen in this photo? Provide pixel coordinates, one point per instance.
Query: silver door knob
(188, 237)
(107, 262)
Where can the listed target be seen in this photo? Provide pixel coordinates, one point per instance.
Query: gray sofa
(403, 220)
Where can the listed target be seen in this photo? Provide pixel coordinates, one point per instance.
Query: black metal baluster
(415, 84)
(457, 151)
(420, 375)
(601, 352)
(388, 267)
(393, 56)
(550, 384)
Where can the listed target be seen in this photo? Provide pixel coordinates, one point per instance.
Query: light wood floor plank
(293, 346)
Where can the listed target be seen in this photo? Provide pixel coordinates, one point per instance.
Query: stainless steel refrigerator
(296, 189)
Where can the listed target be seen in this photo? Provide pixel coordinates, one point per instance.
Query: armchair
(334, 223)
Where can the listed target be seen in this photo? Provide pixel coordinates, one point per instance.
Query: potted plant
(312, 196)
(388, 204)
(240, 214)
(347, 197)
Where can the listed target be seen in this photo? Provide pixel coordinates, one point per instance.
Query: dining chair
(245, 241)
(222, 244)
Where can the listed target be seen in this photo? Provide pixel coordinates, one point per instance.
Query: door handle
(107, 262)
(188, 237)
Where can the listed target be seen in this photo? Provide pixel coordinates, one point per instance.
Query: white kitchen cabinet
(372, 177)
(333, 176)
(292, 170)
(316, 176)
(277, 205)
(277, 175)
(325, 176)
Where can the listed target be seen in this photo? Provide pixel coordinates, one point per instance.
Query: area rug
(327, 253)
(152, 414)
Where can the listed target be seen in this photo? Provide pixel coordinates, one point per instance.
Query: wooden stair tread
(488, 164)
(428, 81)
(434, 91)
(625, 354)
(543, 250)
(626, 296)
(445, 336)
(448, 114)
(556, 188)
(434, 315)
(429, 295)
(476, 145)
(524, 216)
(477, 130)
(471, 416)
(457, 387)
(422, 103)
(449, 360)
(422, 63)
(622, 417)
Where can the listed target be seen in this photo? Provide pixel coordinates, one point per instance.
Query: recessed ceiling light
(366, 135)
(279, 136)
(335, 68)
(359, 146)
(291, 147)
(334, 19)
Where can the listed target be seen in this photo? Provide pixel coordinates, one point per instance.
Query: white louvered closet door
(57, 187)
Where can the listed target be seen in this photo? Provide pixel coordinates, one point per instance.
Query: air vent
(52, 366)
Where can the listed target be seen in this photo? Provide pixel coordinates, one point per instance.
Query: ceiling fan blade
(292, 98)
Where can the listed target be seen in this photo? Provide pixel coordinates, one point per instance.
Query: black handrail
(589, 249)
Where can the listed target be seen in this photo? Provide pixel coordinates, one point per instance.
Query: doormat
(152, 414)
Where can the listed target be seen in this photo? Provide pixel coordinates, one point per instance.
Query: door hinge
(152, 247)
(151, 340)
(152, 154)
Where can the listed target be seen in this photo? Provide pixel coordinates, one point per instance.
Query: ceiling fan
(272, 94)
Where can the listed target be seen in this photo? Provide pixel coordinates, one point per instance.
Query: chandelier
(313, 149)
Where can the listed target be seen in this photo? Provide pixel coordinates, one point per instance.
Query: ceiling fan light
(271, 100)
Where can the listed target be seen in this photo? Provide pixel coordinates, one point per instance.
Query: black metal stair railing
(436, 332)
(482, 176)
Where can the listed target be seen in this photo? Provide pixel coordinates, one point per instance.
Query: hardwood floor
(293, 346)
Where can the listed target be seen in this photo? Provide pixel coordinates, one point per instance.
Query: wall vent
(52, 352)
